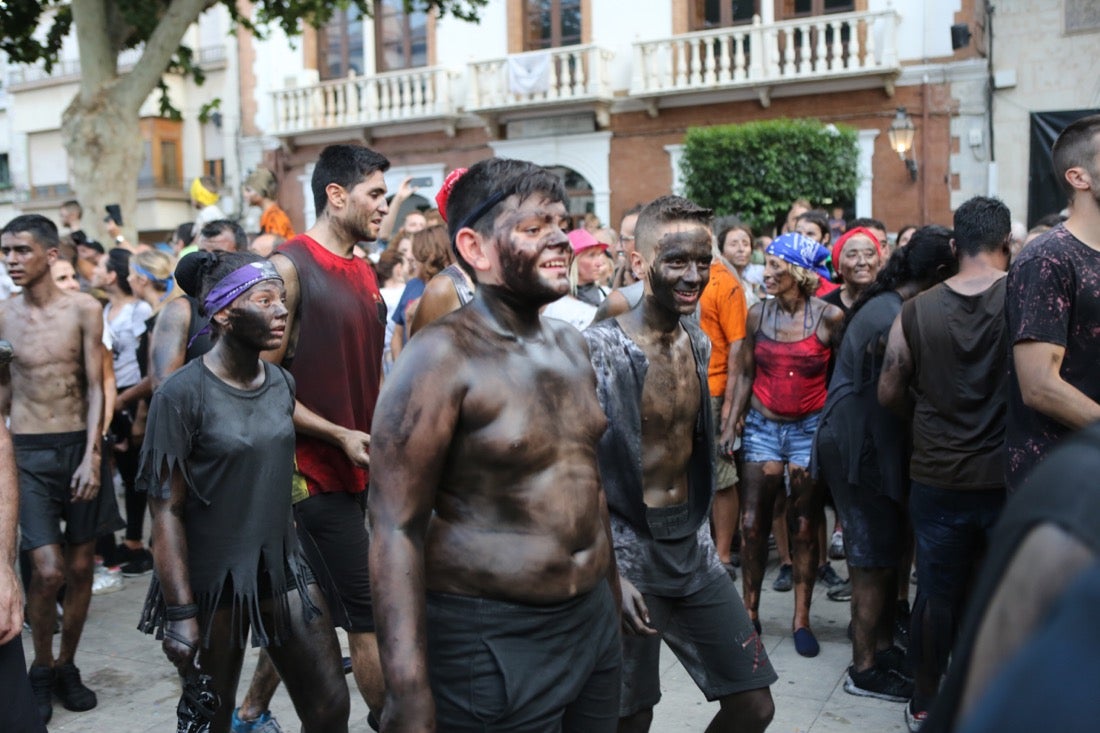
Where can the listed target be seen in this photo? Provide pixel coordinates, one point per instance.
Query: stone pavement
(138, 689)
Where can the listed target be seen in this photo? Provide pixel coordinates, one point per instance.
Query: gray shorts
(503, 666)
(46, 463)
(709, 631)
(725, 470)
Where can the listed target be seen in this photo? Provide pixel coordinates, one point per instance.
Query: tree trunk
(105, 148)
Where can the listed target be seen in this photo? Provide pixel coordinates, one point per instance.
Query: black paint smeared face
(533, 252)
(681, 266)
(257, 319)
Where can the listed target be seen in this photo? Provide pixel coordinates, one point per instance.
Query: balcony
(566, 78)
(391, 99)
(841, 51)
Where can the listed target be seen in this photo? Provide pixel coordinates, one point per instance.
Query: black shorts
(332, 529)
(46, 463)
(505, 666)
(709, 631)
(874, 524)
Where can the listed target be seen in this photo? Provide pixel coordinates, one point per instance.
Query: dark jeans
(952, 530)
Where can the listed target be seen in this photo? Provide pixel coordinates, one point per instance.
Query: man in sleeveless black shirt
(948, 349)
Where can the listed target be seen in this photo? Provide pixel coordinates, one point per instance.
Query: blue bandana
(800, 251)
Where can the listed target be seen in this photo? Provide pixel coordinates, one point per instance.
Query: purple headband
(232, 286)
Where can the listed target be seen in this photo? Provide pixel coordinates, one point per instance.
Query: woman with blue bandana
(217, 461)
(779, 393)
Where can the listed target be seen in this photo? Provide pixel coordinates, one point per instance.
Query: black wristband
(181, 613)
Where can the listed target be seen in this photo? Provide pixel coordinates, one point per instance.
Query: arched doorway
(582, 200)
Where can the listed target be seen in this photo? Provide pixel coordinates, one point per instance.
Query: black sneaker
(42, 686)
(893, 660)
(785, 580)
(70, 690)
(881, 684)
(141, 562)
(829, 577)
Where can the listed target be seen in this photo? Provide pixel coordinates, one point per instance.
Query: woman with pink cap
(588, 263)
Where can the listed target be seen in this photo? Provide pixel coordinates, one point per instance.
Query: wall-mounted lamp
(901, 139)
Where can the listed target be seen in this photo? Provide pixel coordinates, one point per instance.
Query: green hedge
(755, 170)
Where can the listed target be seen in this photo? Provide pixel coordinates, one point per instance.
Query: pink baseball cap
(582, 240)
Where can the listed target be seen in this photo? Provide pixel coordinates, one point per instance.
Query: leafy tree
(100, 126)
(755, 170)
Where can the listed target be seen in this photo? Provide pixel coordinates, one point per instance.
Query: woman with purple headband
(217, 461)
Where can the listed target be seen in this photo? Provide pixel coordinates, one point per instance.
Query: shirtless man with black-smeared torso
(53, 392)
(490, 549)
(656, 463)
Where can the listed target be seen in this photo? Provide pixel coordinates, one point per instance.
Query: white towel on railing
(529, 73)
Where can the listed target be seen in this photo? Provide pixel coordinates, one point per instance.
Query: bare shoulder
(615, 304)
(286, 269)
(831, 314)
(754, 316)
(85, 304)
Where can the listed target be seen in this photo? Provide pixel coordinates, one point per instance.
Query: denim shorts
(772, 440)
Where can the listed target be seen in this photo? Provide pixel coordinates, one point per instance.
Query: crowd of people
(511, 456)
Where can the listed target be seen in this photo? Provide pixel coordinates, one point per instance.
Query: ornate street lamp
(901, 134)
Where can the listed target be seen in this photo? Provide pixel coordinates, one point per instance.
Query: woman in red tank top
(779, 393)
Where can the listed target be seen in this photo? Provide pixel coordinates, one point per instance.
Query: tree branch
(163, 42)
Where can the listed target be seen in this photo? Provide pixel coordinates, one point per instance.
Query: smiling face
(737, 248)
(859, 262)
(680, 267)
(529, 255)
(258, 318)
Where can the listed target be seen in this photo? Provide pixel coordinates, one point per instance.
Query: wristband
(181, 613)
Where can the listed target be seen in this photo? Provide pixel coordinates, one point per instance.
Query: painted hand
(635, 612)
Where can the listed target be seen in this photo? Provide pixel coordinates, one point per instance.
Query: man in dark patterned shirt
(1053, 307)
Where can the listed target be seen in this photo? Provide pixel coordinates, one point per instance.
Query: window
(162, 157)
(340, 45)
(707, 14)
(804, 8)
(5, 172)
(551, 24)
(400, 38)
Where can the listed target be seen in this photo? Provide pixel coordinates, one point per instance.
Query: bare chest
(670, 395)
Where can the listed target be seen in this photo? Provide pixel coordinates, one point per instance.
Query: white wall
(925, 28)
(1054, 71)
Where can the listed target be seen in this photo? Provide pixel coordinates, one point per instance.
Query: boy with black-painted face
(494, 585)
(656, 466)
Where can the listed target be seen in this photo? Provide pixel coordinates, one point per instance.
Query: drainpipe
(925, 116)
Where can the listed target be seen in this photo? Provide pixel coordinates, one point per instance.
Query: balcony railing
(759, 55)
(363, 101)
(555, 76)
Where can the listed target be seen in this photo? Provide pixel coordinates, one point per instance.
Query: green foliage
(18, 18)
(755, 170)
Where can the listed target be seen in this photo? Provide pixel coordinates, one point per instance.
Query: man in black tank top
(948, 349)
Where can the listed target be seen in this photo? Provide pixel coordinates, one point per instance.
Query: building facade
(602, 92)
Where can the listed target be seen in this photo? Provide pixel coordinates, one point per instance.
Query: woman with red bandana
(857, 257)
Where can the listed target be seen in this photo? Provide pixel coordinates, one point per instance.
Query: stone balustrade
(536, 78)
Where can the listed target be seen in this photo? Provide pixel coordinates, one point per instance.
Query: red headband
(843, 239)
(445, 190)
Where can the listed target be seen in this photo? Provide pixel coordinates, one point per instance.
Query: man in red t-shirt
(333, 348)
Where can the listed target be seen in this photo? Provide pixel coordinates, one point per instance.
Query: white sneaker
(106, 580)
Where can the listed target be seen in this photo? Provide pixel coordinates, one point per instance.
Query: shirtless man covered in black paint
(490, 552)
(656, 462)
(54, 396)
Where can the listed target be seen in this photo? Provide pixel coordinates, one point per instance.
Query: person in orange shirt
(259, 190)
(722, 315)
